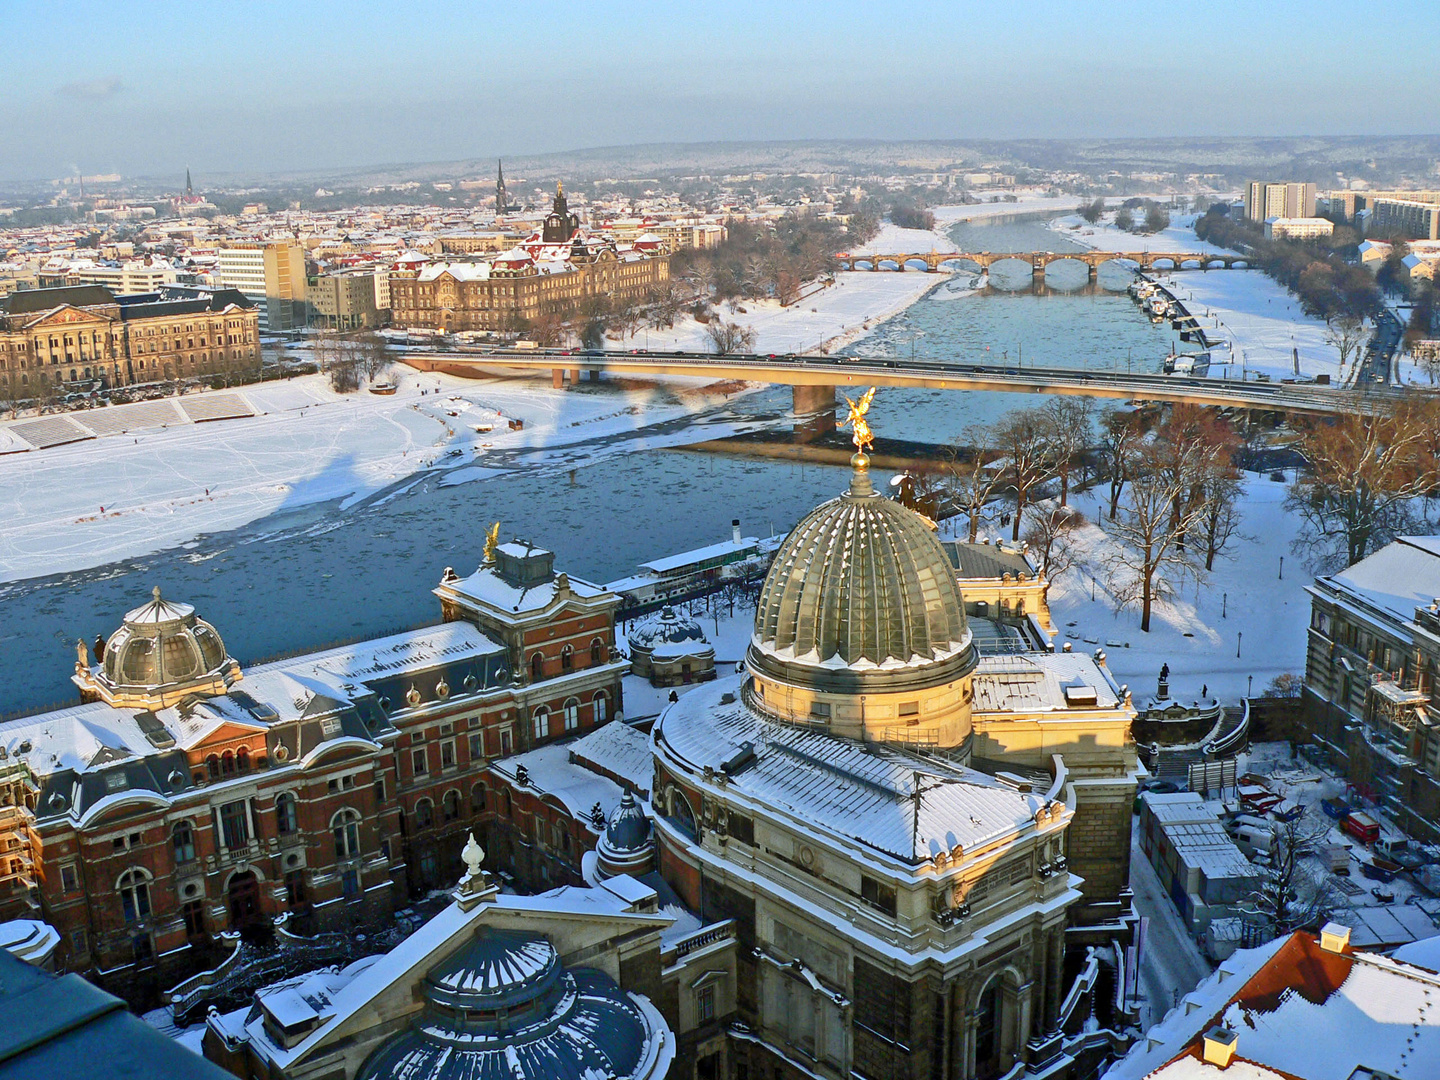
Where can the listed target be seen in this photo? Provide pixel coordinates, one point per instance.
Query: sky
(146, 87)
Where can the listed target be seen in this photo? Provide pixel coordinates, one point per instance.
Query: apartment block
(272, 275)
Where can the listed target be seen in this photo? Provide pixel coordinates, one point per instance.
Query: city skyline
(289, 79)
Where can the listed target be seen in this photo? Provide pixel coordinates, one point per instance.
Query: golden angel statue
(861, 435)
(492, 541)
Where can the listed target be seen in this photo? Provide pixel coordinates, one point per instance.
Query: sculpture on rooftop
(861, 434)
(492, 541)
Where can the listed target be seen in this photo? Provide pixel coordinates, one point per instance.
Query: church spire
(188, 189)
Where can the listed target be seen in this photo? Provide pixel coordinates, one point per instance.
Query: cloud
(92, 89)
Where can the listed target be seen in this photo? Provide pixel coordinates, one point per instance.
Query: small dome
(503, 1006)
(628, 828)
(861, 586)
(161, 651)
(669, 631)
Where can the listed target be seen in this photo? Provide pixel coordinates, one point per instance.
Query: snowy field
(91, 503)
(1245, 605)
(1258, 318)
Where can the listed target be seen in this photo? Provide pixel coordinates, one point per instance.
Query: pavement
(1170, 964)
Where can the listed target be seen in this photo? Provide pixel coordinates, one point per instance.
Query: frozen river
(302, 578)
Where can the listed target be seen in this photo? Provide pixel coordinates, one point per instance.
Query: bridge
(815, 379)
(1039, 260)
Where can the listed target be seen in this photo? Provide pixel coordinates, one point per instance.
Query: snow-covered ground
(1262, 323)
(1244, 606)
(163, 487)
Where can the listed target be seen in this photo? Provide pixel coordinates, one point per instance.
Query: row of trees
(351, 360)
(1328, 287)
(1172, 490)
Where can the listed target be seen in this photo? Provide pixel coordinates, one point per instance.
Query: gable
(68, 316)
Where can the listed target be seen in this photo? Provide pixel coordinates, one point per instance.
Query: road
(806, 370)
(1171, 965)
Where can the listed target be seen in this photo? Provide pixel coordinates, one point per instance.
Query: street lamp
(1238, 636)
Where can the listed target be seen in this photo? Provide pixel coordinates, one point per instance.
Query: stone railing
(706, 936)
(249, 967)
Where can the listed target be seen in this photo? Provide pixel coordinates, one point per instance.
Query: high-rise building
(1283, 200)
(1405, 217)
(272, 275)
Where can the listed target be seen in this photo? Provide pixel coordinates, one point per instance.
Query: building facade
(1371, 698)
(1403, 217)
(1264, 200)
(1286, 228)
(55, 338)
(342, 301)
(271, 275)
(185, 795)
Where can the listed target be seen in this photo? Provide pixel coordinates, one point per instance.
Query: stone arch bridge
(1039, 260)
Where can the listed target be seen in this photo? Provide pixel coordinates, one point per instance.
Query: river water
(307, 577)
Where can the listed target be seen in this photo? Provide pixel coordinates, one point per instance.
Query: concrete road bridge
(932, 261)
(816, 378)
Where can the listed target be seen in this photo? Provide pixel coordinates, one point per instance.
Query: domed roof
(662, 632)
(162, 651)
(861, 586)
(503, 1006)
(628, 828)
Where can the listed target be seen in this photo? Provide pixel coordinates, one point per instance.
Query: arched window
(182, 839)
(537, 667)
(542, 723)
(450, 805)
(597, 652)
(212, 767)
(346, 826)
(242, 759)
(572, 713)
(567, 659)
(602, 707)
(286, 820)
(477, 798)
(505, 807)
(424, 814)
(227, 764)
(681, 814)
(134, 889)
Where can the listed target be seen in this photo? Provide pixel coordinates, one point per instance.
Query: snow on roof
(865, 793)
(488, 587)
(1398, 578)
(460, 271)
(1306, 1012)
(620, 750)
(551, 772)
(669, 563)
(1037, 682)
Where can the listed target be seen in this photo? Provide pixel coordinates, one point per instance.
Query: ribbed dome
(668, 631)
(860, 585)
(628, 828)
(161, 652)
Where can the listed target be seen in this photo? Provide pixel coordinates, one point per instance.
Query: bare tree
(1119, 438)
(1294, 892)
(1362, 478)
(1071, 428)
(1023, 437)
(1220, 519)
(1050, 534)
(1347, 334)
(974, 480)
(729, 338)
(1149, 551)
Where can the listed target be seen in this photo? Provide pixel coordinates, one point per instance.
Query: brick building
(186, 795)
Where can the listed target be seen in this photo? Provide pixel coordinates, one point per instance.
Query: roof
(1308, 1013)
(1397, 579)
(64, 1026)
(620, 751)
(551, 772)
(30, 301)
(985, 560)
(1038, 683)
(670, 563)
(486, 586)
(886, 799)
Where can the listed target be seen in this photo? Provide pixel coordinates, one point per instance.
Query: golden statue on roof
(492, 541)
(861, 434)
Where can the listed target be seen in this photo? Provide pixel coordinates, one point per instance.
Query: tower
(502, 198)
(188, 189)
(560, 225)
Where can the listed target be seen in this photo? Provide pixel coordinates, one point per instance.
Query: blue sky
(147, 87)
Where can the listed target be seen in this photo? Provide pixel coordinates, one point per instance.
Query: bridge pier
(1094, 272)
(557, 378)
(814, 408)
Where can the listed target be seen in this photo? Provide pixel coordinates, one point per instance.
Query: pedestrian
(1204, 691)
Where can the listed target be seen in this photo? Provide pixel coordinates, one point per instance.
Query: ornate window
(572, 713)
(597, 652)
(602, 707)
(286, 820)
(346, 827)
(134, 889)
(567, 658)
(477, 798)
(182, 839)
(450, 805)
(542, 723)
(424, 813)
(537, 667)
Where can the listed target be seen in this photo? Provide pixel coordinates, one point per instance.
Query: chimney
(735, 529)
(1335, 937)
(1219, 1047)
